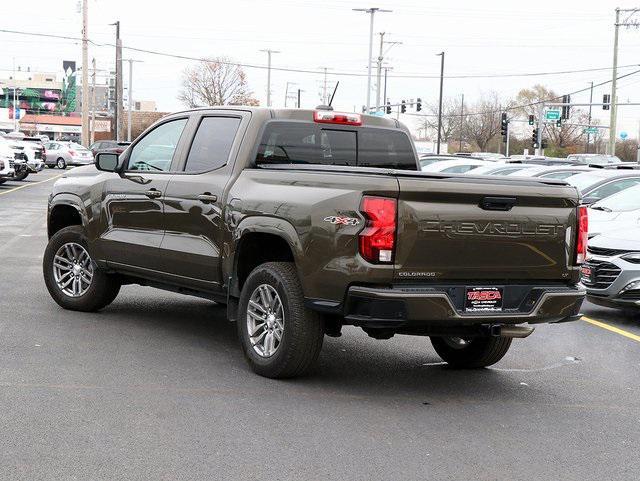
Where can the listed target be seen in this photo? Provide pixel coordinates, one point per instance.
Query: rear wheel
(73, 279)
(21, 176)
(61, 164)
(279, 336)
(471, 353)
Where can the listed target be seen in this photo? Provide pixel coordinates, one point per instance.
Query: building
(145, 105)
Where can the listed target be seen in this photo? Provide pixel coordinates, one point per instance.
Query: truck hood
(84, 171)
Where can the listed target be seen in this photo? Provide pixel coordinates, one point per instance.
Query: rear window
(310, 143)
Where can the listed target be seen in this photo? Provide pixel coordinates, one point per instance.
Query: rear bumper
(408, 306)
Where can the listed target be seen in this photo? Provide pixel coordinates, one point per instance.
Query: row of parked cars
(21, 155)
(611, 189)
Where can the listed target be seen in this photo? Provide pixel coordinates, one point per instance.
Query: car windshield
(628, 199)
(73, 145)
(584, 181)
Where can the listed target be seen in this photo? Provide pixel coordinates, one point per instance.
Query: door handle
(497, 203)
(153, 193)
(207, 198)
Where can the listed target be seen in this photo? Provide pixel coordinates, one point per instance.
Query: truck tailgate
(464, 228)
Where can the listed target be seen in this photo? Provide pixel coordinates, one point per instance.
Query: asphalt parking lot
(155, 387)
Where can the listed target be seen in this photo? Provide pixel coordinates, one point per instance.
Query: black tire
(2, 181)
(303, 330)
(21, 176)
(50, 166)
(103, 288)
(476, 352)
(61, 164)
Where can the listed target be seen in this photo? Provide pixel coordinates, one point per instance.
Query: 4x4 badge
(340, 220)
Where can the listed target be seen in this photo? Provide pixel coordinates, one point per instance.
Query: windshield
(583, 181)
(73, 145)
(628, 199)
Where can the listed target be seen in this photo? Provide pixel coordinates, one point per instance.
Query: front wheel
(471, 353)
(21, 176)
(279, 336)
(72, 278)
(61, 163)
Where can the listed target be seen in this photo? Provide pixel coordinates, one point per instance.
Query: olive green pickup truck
(302, 221)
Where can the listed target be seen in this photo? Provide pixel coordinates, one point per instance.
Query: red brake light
(331, 117)
(72, 152)
(583, 234)
(378, 238)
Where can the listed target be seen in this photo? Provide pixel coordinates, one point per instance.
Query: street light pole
(441, 54)
(589, 133)
(371, 11)
(130, 96)
(612, 122)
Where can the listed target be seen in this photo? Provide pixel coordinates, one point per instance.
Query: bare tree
(482, 122)
(450, 119)
(215, 81)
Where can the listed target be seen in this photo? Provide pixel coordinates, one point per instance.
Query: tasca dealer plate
(483, 299)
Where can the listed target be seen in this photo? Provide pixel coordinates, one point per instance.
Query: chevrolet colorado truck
(302, 221)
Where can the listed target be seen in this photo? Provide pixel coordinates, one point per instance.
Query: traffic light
(403, 107)
(504, 126)
(532, 120)
(534, 138)
(606, 102)
(418, 104)
(543, 144)
(388, 108)
(559, 123)
(566, 99)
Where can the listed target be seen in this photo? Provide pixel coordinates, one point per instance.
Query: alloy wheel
(72, 269)
(265, 320)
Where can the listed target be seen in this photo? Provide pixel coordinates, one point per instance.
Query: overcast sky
(497, 37)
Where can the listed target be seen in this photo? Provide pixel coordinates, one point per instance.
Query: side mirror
(107, 162)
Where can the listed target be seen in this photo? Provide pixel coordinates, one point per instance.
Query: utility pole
(461, 121)
(269, 52)
(441, 54)
(325, 93)
(379, 71)
(130, 96)
(371, 11)
(538, 150)
(85, 74)
(627, 22)
(299, 97)
(586, 150)
(93, 101)
(117, 108)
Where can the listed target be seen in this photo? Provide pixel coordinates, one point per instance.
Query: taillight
(583, 234)
(378, 238)
(331, 117)
(72, 152)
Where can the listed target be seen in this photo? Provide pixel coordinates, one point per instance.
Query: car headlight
(633, 257)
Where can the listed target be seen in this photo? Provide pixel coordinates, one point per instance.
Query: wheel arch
(260, 239)
(65, 210)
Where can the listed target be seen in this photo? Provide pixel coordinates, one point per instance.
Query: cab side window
(154, 152)
(613, 187)
(212, 144)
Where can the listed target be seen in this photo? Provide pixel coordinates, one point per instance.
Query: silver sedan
(63, 154)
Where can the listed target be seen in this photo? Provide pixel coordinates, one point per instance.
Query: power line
(320, 72)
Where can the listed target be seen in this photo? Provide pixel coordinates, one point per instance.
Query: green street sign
(590, 130)
(552, 114)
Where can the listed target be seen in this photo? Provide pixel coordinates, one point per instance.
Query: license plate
(479, 299)
(587, 273)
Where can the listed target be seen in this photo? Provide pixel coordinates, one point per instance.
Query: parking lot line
(611, 328)
(30, 184)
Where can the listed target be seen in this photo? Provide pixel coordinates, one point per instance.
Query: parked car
(547, 172)
(551, 161)
(108, 146)
(490, 156)
(6, 163)
(303, 221)
(601, 183)
(457, 166)
(498, 168)
(64, 154)
(618, 211)
(428, 159)
(32, 154)
(593, 159)
(611, 273)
